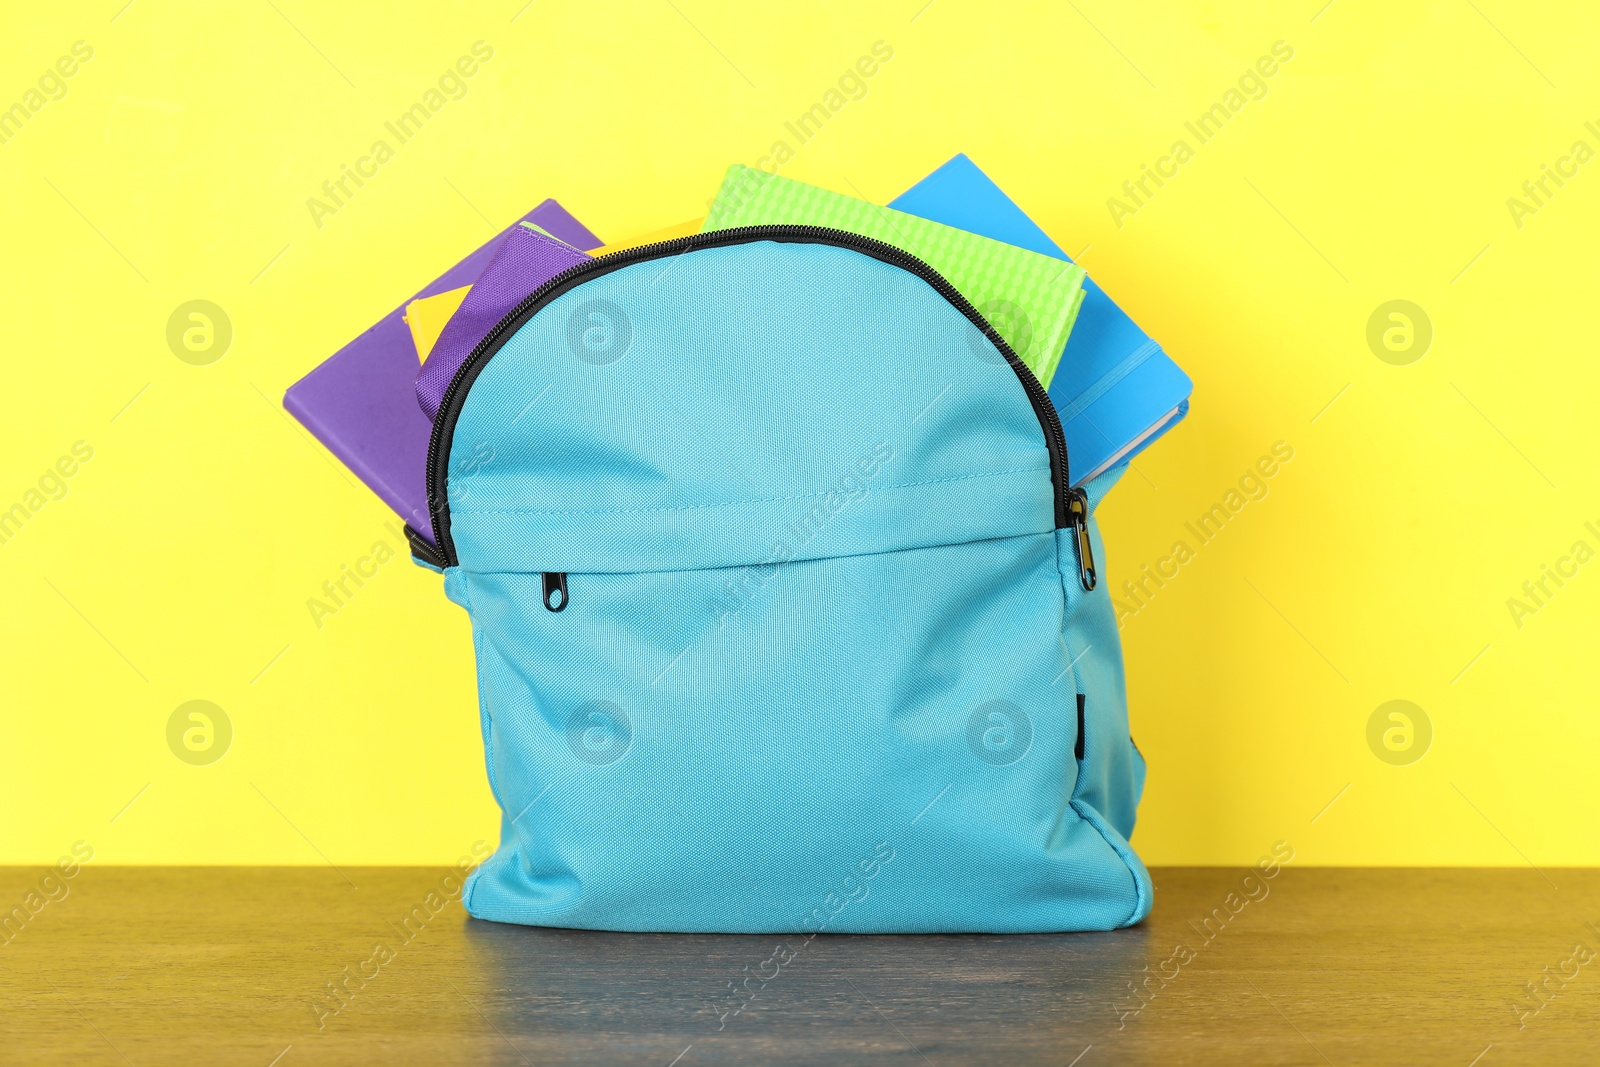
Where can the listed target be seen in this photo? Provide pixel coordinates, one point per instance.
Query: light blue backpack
(782, 604)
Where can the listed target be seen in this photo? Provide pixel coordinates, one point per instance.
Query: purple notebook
(361, 401)
(525, 260)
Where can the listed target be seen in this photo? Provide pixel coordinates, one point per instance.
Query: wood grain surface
(1318, 966)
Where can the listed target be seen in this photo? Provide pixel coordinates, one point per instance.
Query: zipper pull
(555, 590)
(1078, 520)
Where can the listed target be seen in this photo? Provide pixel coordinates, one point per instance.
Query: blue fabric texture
(819, 662)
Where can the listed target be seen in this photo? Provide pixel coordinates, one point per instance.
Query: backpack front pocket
(722, 749)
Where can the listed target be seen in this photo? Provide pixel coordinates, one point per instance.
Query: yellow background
(1377, 167)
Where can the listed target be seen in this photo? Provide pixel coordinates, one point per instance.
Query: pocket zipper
(461, 382)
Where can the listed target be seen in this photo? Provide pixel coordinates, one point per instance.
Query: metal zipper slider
(1078, 519)
(555, 590)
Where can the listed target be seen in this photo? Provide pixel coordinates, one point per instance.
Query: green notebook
(1032, 300)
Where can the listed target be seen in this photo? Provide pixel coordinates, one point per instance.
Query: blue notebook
(1115, 390)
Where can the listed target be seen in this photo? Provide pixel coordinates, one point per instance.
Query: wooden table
(1331, 966)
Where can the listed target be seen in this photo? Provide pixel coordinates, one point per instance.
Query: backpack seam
(1088, 814)
(485, 719)
(739, 503)
(787, 562)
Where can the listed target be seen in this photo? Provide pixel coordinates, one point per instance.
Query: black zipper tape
(423, 549)
(455, 396)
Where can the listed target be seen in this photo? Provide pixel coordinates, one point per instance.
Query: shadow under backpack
(783, 604)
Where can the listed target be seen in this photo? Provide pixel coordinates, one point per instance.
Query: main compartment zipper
(461, 382)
